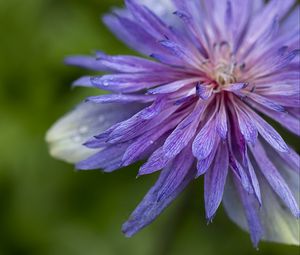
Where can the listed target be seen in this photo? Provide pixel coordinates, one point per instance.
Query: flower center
(224, 74)
(223, 65)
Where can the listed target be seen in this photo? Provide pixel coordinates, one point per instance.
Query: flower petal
(214, 181)
(151, 206)
(141, 122)
(183, 133)
(152, 23)
(132, 33)
(125, 83)
(278, 224)
(269, 133)
(252, 215)
(108, 159)
(180, 167)
(156, 162)
(173, 86)
(285, 119)
(67, 135)
(247, 127)
(222, 118)
(155, 136)
(87, 62)
(205, 140)
(162, 8)
(131, 64)
(204, 164)
(119, 98)
(275, 179)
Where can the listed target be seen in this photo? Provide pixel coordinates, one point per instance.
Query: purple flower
(196, 108)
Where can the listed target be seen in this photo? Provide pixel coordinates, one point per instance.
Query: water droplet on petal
(83, 130)
(105, 83)
(76, 138)
(100, 118)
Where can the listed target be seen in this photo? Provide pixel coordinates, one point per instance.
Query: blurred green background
(46, 208)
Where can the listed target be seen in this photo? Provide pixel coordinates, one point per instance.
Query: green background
(47, 208)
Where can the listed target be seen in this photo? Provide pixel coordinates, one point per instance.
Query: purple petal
(278, 224)
(241, 174)
(181, 52)
(119, 98)
(205, 140)
(269, 133)
(132, 33)
(108, 159)
(204, 91)
(285, 119)
(193, 29)
(173, 86)
(145, 145)
(228, 15)
(254, 181)
(222, 127)
(291, 19)
(141, 122)
(214, 181)
(277, 63)
(151, 207)
(125, 83)
(149, 139)
(156, 162)
(131, 64)
(292, 159)
(84, 81)
(266, 102)
(183, 133)
(275, 179)
(86, 62)
(252, 215)
(287, 100)
(260, 24)
(180, 167)
(237, 142)
(235, 86)
(144, 16)
(204, 164)
(247, 127)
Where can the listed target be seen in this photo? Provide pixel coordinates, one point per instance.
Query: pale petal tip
(128, 230)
